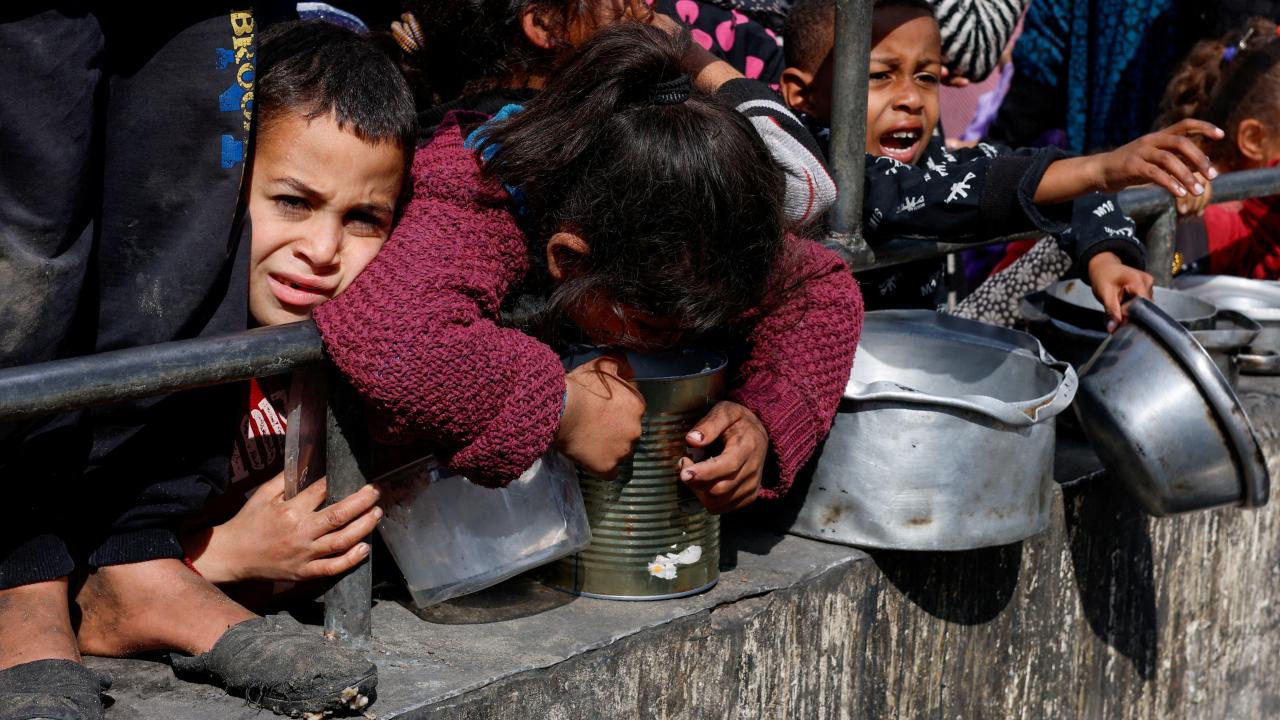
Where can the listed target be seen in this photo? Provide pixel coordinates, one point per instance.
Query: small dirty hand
(276, 539)
(602, 414)
(730, 480)
(1168, 158)
(1113, 283)
(1195, 204)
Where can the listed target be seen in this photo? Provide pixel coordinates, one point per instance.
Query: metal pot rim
(1222, 401)
(1019, 414)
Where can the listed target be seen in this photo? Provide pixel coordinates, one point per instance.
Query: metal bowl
(1165, 422)
(1072, 302)
(944, 439)
(1257, 299)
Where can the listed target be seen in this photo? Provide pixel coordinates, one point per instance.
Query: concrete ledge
(1108, 614)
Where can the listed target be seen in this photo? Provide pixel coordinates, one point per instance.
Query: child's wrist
(209, 555)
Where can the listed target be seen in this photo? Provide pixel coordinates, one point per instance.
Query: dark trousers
(123, 136)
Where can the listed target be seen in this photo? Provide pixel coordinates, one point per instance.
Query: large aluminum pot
(944, 439)
(1164, 421)
(650, 537)
(1259, 300)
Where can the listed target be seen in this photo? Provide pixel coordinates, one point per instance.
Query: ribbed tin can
(651, 539)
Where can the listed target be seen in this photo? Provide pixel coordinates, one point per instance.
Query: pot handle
(1265, 362)
(1024, 414)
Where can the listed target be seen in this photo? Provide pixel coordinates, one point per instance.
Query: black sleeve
(1098, 225)
(964, 195)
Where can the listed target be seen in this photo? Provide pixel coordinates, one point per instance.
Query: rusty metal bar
(348, 604)
(1159, 242)
(849, 127)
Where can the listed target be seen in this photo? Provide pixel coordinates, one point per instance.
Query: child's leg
(153, 605)
(35, 624)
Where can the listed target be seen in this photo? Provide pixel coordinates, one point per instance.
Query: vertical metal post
(348, 604)
(849, 124)
(1159, 244)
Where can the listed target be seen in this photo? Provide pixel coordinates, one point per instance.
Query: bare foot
(35, 624)
(153, 605)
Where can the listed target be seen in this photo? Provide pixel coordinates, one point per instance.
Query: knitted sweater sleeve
(416, 332)
(810, 191)
(799, 354)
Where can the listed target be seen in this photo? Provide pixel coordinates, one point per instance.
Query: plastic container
(451, 537)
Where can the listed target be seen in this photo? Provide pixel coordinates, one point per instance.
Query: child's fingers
(346, 537)
(1175, 167)
(313, 496)
(328, 567)
(339, 514)
(1190, 153)
(1191, 126)
(711, 426)
(1157, 175)
(269, 490)
(713, 469)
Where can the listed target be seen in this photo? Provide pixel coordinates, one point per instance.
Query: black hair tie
(670, 92)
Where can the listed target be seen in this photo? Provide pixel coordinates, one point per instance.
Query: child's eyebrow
(379, 210)
(298, 186)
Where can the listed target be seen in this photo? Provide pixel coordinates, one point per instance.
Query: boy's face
(321, 201)
(902, 92)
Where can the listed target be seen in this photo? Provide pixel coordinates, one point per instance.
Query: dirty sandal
(276, 663)
(51, 690)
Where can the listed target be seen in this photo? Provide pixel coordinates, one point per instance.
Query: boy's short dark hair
(807, 36)
(810, 30)
(313, 68)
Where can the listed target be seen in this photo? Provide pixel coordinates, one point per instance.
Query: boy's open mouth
(295, 291)
(901, 143)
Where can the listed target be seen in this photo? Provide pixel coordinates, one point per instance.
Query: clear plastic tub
(451, 537)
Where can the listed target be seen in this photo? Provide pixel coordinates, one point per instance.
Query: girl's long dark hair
(680, 204)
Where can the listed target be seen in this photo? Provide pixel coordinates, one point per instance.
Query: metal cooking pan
(1164, 421)
(1259, 300)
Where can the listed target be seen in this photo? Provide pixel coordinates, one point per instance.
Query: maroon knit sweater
(417, 335)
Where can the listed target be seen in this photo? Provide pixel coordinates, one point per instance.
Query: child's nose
(321, 245)
(909, 97)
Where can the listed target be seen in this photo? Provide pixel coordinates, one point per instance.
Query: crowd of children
(455, 207)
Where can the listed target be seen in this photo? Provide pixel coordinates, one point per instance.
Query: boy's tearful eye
(291, 205)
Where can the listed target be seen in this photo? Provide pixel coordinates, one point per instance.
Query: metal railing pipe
(132, 373)
(849, 124)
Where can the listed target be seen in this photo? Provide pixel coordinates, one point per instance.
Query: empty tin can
(651, 539)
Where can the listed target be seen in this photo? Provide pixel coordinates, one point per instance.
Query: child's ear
(565, 253)
(794, 85)
(1252, 140)
(539, 26)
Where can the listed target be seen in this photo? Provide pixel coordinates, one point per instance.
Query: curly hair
(1227, 80)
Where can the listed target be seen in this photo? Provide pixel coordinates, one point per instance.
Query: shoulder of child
(445, 168)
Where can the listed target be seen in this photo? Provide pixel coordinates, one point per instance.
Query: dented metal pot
(1165, 422)
(944, 439)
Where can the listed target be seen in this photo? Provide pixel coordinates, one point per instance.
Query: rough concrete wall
(1108, 614)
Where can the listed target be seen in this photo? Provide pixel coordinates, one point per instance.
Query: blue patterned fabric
(1111, 60)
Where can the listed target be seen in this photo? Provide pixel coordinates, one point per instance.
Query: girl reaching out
(623, 207)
